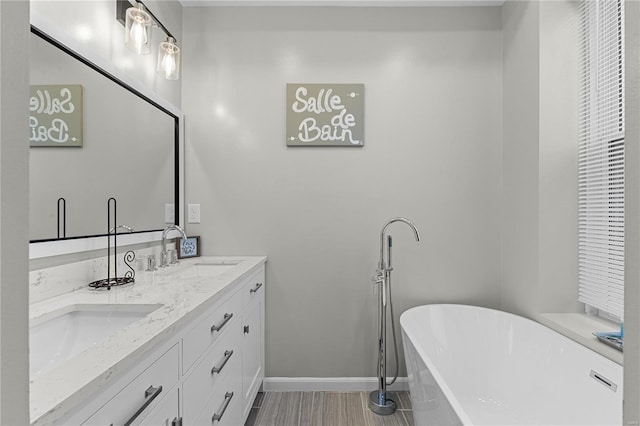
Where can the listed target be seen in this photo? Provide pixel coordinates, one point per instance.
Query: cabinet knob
(246, 329)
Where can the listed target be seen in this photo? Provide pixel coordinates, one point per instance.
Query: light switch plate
(169, 213)
(193, 213)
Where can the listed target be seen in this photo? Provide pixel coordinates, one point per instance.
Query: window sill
(579, 327)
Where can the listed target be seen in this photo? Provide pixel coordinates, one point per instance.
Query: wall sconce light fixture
(137, 33)
(169, 59)
(138, 21)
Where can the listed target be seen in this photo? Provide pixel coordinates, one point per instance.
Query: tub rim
(442, 383)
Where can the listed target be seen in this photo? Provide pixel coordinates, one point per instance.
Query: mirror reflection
(128, 152)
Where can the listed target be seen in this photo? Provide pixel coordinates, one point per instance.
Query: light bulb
(169, 64)
(138, 34)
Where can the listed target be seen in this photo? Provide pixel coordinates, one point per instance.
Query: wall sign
(55, 115)
(325, 114)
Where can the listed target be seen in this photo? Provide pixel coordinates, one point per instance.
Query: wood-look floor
(325, 409)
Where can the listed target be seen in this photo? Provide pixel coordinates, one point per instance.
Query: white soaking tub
(477, 366)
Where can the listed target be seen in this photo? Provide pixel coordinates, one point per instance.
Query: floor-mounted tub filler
(476, 366)
(379, 402)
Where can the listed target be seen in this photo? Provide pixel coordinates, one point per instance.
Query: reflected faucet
(163, 255)
(126, 227)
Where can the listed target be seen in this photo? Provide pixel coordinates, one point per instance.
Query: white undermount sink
(206, 269)
(58, 336)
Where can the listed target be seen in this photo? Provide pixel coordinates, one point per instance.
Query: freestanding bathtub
(477, 366)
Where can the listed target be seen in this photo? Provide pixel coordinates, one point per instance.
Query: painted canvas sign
(55, 115)
(325, 114)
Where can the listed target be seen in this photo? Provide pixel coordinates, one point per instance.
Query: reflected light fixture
(138, 21)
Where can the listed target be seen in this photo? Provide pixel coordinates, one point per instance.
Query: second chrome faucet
(164, 261)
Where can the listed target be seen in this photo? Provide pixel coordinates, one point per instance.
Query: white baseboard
(329, 384)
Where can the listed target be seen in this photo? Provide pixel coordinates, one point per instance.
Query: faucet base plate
(381, 405)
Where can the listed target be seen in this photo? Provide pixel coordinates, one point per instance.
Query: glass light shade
(137, 30)
(169, 59)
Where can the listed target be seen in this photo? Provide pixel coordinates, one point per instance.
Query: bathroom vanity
(189, 350)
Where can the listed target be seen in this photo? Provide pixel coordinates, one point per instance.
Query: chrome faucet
(163, 255)
(379, 403)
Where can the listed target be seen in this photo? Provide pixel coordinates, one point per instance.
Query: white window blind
(601, 156)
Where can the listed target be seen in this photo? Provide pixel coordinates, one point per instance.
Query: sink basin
(59, 336)
(206, 269)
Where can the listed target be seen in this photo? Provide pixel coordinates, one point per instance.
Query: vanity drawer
(225, 406)
(253, 287)
(166, 413)
(226, 358)
(141, 395)
(208, 329)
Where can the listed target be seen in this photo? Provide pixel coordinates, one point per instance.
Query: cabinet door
(166, 413)
(252, 352)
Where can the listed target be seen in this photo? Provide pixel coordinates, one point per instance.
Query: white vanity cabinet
(207, 372)
(252, 340)
(226, 397)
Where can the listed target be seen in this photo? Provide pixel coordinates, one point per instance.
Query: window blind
(601, 156)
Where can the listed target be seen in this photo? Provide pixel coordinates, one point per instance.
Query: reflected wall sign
(55, 115)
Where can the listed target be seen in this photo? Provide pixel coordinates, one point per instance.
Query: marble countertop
(53, 394)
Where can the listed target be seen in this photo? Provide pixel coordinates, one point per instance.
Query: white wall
(520, 162)
(433, 120)
(558, 158)
(540, 166)
(14, 201)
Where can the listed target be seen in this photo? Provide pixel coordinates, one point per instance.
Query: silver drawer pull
(150, 394)
(227, 355)
(227, 318)
(227, 400)
(257, 287)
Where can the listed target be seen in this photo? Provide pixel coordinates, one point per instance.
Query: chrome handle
(151, 263)
(246, 329)
(227, 400)
(257, 287)
(227, 355)
(177, 421)
(227, 318)
(150, 394)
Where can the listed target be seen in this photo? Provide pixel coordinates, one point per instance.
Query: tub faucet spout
(387, 265)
